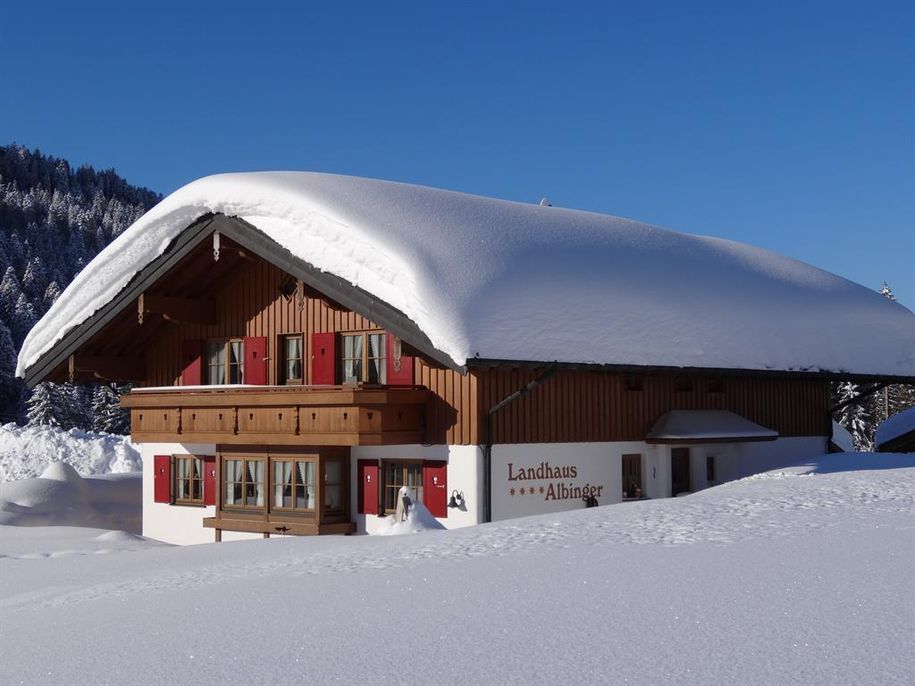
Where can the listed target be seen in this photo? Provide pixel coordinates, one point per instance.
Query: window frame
(284, 361)
(212, 344)
(365, 357)
(402, 465)
(274, 460)
(224, 483)
(181, 459)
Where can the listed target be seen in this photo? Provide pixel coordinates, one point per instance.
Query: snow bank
(786, 581)
(477, 275)
(61, 497)
(25, 451)
(418, 519)
(895, 426)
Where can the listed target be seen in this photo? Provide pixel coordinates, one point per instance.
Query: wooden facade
(574, 405)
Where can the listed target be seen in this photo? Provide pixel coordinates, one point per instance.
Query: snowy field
(795, 577)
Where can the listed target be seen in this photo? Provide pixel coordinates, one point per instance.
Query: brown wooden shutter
(162, 479)
(256, 360)
(209, 479)
(324, 358)
(399, 366)
(369, 473)
(435, 488)
(192, 363)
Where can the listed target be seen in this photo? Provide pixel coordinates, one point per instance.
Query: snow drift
(478, 275)
(61, 497)
(800, 576)
(25, 451)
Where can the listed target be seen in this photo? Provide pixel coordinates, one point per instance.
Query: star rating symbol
(522, 491)
(542, 489)
(511, 491)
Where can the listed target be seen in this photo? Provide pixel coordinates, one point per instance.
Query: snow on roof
(507, 280)
(893, 427)
(707, 425)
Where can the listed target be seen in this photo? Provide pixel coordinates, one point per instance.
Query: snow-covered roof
(495, 279)
(707, 425)
(893, 427)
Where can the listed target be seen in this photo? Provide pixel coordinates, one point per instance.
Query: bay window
(244, 483)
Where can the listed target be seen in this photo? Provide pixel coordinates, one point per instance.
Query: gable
(187, 271)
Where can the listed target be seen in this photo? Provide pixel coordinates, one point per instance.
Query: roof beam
(188, 310)
(107, 368)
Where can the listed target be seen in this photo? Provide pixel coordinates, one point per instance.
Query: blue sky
(789, 125)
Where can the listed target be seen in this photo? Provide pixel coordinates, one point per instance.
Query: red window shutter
(369, 474)
(399, 366)
(192, 363)
(435, 488)
(209, 479)
(324, 358)
(162, 478)
(256, 360)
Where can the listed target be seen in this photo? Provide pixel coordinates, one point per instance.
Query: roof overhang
(822, 374)
(706, 426)
(249, 237)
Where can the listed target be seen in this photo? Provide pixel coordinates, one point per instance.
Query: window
(632, 476)
(293, 484)
(225, 362)
(333, 486)
(292, 359)
(710, 469)
(398, 474)
(364, 358)
(188, 479)
(244, 483)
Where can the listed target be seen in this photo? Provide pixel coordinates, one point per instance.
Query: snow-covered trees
(53, 220)
(862, 418)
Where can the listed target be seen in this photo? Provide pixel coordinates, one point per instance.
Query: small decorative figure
(404, 503)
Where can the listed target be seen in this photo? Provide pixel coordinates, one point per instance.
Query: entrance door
(679, 470)
(632, 476)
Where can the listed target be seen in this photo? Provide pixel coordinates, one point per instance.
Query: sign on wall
(536, 479)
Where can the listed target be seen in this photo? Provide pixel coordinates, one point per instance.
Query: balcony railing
(278, 415)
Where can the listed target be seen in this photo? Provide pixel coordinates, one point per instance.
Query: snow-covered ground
(794, 577)
(26, 451)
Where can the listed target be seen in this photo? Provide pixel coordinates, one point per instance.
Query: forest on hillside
(54, 219)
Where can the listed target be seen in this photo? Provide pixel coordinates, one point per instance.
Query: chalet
(303, 345)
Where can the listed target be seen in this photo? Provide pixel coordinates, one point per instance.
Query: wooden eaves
(248, 236)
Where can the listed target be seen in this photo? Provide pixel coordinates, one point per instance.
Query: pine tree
(107, 413)
(10, 386)
(854, 417)
(44, 406)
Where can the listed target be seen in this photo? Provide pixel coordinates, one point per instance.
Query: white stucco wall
(597, 468)
(465, 475)
(178, 524)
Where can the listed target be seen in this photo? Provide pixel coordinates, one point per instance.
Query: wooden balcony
(278, 415)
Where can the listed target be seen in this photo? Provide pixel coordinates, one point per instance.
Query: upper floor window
(225, 362)
(292, 359)
(364, 358)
